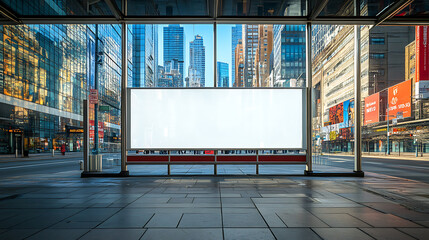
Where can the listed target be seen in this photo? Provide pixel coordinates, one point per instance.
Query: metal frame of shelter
(314, 8)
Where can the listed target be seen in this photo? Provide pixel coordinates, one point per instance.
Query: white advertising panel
(216, 118)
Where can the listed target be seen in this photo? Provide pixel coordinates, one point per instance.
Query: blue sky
(206, 31)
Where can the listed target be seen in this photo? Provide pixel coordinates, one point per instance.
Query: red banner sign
(422, 53)
(92, 131)
(372, 109)
(399, 97)
(422, 62)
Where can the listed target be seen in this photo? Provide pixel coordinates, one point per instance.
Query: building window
(377, 55)
(377, 41)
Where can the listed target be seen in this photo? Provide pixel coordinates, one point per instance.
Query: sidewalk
(40, 156)
(65, 206)
(403, 156)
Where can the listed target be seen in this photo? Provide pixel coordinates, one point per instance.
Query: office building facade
(47, 73)
(144, 55)
(197, 59)
(236, 35)
(289, 55)
(174, 46)
(222, 74)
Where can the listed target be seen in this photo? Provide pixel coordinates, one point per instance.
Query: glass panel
(262, 55)
(174, 55)
(259, 56)
(266, 8)
(336, 8)
(59, 7)
(169, 8)
(395, 95)
(417, 8)
(333, 94)
(48, 69)
(171, 56)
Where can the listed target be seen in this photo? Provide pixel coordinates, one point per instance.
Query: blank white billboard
(216, 118)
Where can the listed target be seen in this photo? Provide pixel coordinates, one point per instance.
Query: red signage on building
(372, 109)
(422, 53)
(399, 97)
(336, 114)
(422, 62)
(93, 96)
(92, 131)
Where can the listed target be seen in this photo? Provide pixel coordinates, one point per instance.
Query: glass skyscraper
(222, 74)
(197, 59)
(174, 46)
(236, 33)
(289, 55)
(46, 71)
(145, 55)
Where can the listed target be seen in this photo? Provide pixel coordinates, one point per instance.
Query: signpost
(93, 96)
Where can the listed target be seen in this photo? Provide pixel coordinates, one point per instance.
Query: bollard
(16, 153)
(81, 164)
(53, 152)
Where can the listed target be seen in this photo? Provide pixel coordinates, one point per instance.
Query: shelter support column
(358, 104)
(124, 103)
(309, 75)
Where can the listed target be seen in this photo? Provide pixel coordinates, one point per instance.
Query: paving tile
(164, 220)
(301, 219)
(18, 233)
(180, 200)
(419, 233)
(295, 233)
(248, 233)
(183, 234)
(423, 223)
(56, 234)
(207, 200)
(383, 220)
(113, 234)
(341, 220)
(75, 225)
(93, 214)
(202, 220)
(386, 234)
(364, 197)
(243, 220)
(342, 233)
(316, 210)
(272, 219)
(127, 219)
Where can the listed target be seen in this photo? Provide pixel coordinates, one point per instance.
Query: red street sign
(93, 96)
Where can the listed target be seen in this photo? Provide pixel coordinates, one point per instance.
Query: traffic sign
(93, 96)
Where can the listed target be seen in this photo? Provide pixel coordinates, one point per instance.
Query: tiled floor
(239, 207)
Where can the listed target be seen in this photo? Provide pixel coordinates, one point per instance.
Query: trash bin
(95, 163)
(25, 153)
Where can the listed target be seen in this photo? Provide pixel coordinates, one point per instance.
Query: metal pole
(257, 162)
(215, 54)
(16, 146)
(85, 135)
(215, 163)
(388, 119)
(96, 140)
(309, 75)
(358, 107)
(124, 104)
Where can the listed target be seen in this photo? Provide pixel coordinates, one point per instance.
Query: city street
(409, 169)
